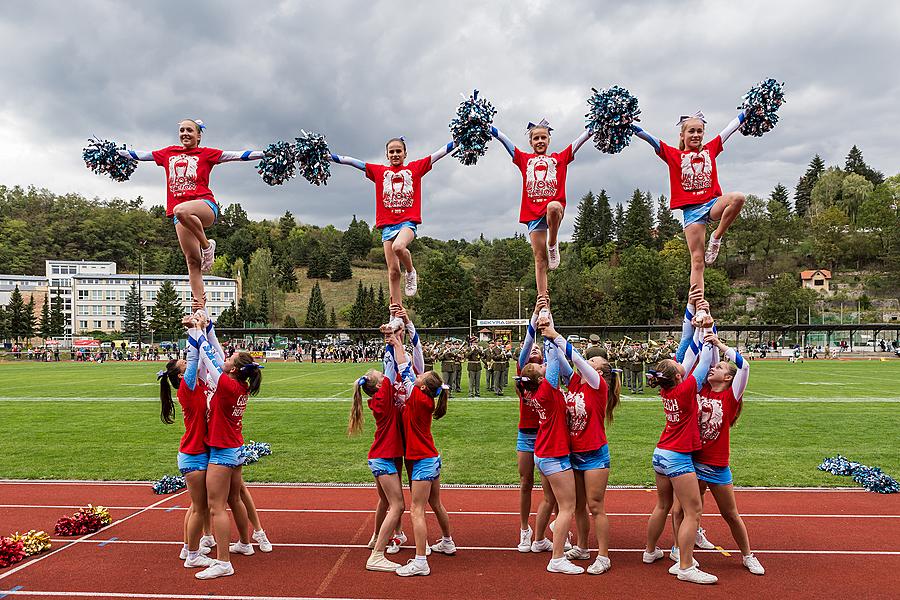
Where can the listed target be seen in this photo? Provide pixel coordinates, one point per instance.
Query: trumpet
(625, 341)
(651, 343)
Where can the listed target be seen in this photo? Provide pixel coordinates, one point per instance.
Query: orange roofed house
(816, 280)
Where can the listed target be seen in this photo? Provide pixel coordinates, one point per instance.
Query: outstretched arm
(702, 369)
(193, 358)
(743, 373)
(233, 155)
(418, 357)
(137, 154)
(442, 151)
(552, 358)
(348, 160)
(733, 126)
(588, 373)
(528, 343)
(507, 143)
(580, 140)
(208, 356)
(650, 139)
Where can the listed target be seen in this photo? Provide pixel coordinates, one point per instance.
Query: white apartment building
(59, 277)
(29, 286)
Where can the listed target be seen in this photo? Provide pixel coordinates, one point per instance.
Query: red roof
(804, 275)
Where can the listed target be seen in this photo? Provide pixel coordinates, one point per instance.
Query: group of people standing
(451, 356)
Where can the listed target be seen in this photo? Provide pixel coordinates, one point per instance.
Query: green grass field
(89, 421)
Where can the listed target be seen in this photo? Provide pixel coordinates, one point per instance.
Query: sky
(361, 73)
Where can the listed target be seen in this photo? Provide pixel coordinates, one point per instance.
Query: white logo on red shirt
(397, 189)
(696, 171)
(183, 173)
(670, 405)
(711, 417)
(576, 412)
(540, 177)
(535, 406)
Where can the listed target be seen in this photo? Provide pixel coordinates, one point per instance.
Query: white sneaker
(600, 565)
(553, 256)
(207, 541)
(412, 283)
(218, 569)
(198, 561)
(752, 564)
(378, 562)
(712, 250)
(239, 548)
(562, 565)
(701, 542)
(413, 567)
(543, 545)
(673, 570)
(184, 552)
(578, 553)
(675, 554)
(695, 575)
(654, 556)
(444, 547)
(395, 543)
(525, 540)
(208, 257)
(264, 544)
(568, 544)
(371, 544)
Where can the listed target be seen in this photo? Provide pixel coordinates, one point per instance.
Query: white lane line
(87, 537)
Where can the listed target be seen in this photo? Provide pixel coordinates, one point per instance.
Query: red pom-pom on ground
(11, 551)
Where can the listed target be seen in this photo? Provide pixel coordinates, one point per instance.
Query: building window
(97, 324)
(82, 324)
(818, 282)
(110, 324)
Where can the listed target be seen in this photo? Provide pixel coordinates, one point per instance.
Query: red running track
(813, 543)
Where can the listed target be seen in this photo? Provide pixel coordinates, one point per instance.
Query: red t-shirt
(717, 410)
(193, 407)
(585, 411)
(682, 433)
(226, 414)
(187, 173)
(388, 442)
(693, 178)
(398, 191)
(528, 417)
(417, 415)
(553, 432)
(543, 180)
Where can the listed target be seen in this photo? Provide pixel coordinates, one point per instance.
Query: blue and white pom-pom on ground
(278, 164)
(760, 105)
(871, 478)
(169, 484)
(471, 128)
(612, 113)
(102, 157)
(314, 157)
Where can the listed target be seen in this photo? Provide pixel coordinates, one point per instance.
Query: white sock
(526, 530)
(421, 560)
(713, 240)
(259, 531)
(192, 554)
(446, 538)
(186, 547)
(558, 560)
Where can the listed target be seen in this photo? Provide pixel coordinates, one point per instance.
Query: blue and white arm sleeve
(234, 155)
(579, 142)
(702, 368)
(211, 362)
(552, 358)
(733, 126)
(507, 143)
(193, 358)
(528, 343)
(214, 341)
(442, 152)
(418, 356)
(743, 372)
(137, 154)
(687, 345)
(348, 160)
(588, 373)
(389, 364)
(650, 139)
(408, 377)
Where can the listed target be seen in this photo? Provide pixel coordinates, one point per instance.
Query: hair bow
(200, 124)
(252, 365)
(444, 386)
(160, 374)
(523, 378)
(544, 123)
(696, 115)
(361, 381)
(616, 370)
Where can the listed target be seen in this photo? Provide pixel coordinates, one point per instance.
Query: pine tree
(264, 309)
(585, 221)
(287, 278)
(30, 319)
(357, 240)
(667, 226)
(619, 224)
(803, 191)
(57, 316)
(45, 319)
(15, 314)
(133, 320)
(357, 311)
(856, 164)
(373, 314)
(638, 223)
(318, 264)
(166, 314)
(243, 313)
(340, 267)
(382, 306)
(290, 322)
(332, 320)
(604, 232)
(780, 195)
(4, 323)
(227, 316)
(315, 309)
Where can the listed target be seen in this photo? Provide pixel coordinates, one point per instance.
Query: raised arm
(348, 160)
(418, 357)
(193, 358)
(234, 155)
(552, 358)
(733, 126)
(702, 369)
(580, 140)
(507, 143)
(529, 342)
(208, 357)
(442, 152)
(687, 350)
(137, 154)
(650, 139)
(588, 373)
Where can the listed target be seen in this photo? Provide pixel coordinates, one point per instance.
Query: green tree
(640, 285)
(30, 319)
(803, 191)
(15, 315)
(290, 322)
(227, 317)
(57, 316)
(638, 221)
(340, 267)
(45, 326)
(332, 320)
(780, 195)
(786, 300)
(264, 308)
(585, 221)
(16, 247)
(856, 164)
(827, 190)
(829, 229)
(855, 189)
(604, 217)
(134, 318)
(318, 264)
(357, 240)
(166, 314)
(287, 278)
(445, 294)
(667, 226)
(315, 309)
(243, 314)
(619, 224)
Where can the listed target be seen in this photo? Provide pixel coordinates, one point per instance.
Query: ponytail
(368, 384)
(248, 372)
(168, 379)
(613, 388)
(440, 392)
(732, 369)
(663, 376)
(440, 405)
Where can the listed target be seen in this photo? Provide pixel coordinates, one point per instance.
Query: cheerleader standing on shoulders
(189, 201)
(592, 396)
(398, 205)
(673, 463)
(543, 193)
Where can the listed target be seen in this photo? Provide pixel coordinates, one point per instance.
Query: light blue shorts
(192, 462)
(713, 475)
(553, 465)
(697, 213)
(389, 232)
(226, 457)
(588, 461)
(525, 442)
(382, 466)
(538, 224)
(424, 469)
(672, 464)
(212, 205)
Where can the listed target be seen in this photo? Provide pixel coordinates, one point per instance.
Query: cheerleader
(189, 201)
(592, 396)
(672, 462)
(694, 183)
(543, 193)
(398, 205)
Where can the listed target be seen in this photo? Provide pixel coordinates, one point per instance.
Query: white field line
(337, 398)
(87, 537)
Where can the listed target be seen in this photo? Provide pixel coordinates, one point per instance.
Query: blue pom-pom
(252, 451)
(471, 128)
(169, 484)
(612, 113)
(761, 103)
(278, 164)
(871, 478)
(314, 157)
(102, 157)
